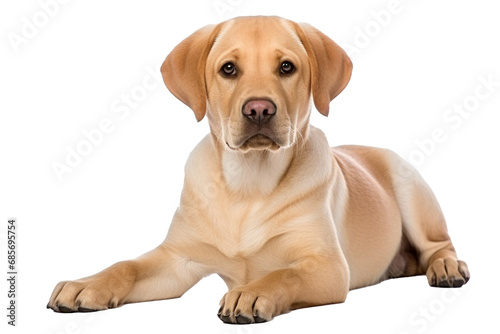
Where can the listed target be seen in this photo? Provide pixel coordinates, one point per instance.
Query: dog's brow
(234, 53)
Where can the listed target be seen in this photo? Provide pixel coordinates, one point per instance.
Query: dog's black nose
(259, 111)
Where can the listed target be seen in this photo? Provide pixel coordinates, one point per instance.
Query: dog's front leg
(160, 274)
(315, 280)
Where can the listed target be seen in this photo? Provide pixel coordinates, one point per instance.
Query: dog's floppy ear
(331, 67)
(183, 70)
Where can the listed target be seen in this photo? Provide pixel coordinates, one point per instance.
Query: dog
(286, 221)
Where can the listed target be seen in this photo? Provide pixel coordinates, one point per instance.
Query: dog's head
(255, 78)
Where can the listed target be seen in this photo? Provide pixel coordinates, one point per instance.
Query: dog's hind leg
(425, 228)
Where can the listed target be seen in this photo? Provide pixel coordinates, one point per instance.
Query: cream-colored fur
(284, 219)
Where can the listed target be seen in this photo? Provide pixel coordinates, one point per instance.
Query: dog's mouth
(256, 142)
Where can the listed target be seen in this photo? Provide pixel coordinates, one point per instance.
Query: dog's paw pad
(64, 309)
(84, 309)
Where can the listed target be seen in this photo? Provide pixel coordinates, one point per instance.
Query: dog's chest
(242, 229)
(242, 216)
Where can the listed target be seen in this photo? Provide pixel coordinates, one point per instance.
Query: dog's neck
(255, 172)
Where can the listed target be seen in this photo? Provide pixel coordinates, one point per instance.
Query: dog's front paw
(84, 296)
(241, 306)
(102, 291)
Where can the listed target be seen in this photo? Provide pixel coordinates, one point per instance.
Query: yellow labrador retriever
(285, 220)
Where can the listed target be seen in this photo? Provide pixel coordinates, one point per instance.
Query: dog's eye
(287, 67)
(228, 69)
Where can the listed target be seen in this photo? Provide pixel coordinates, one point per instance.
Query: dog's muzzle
(258, 127)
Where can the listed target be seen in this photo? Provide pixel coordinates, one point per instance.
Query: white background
(73, 71)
